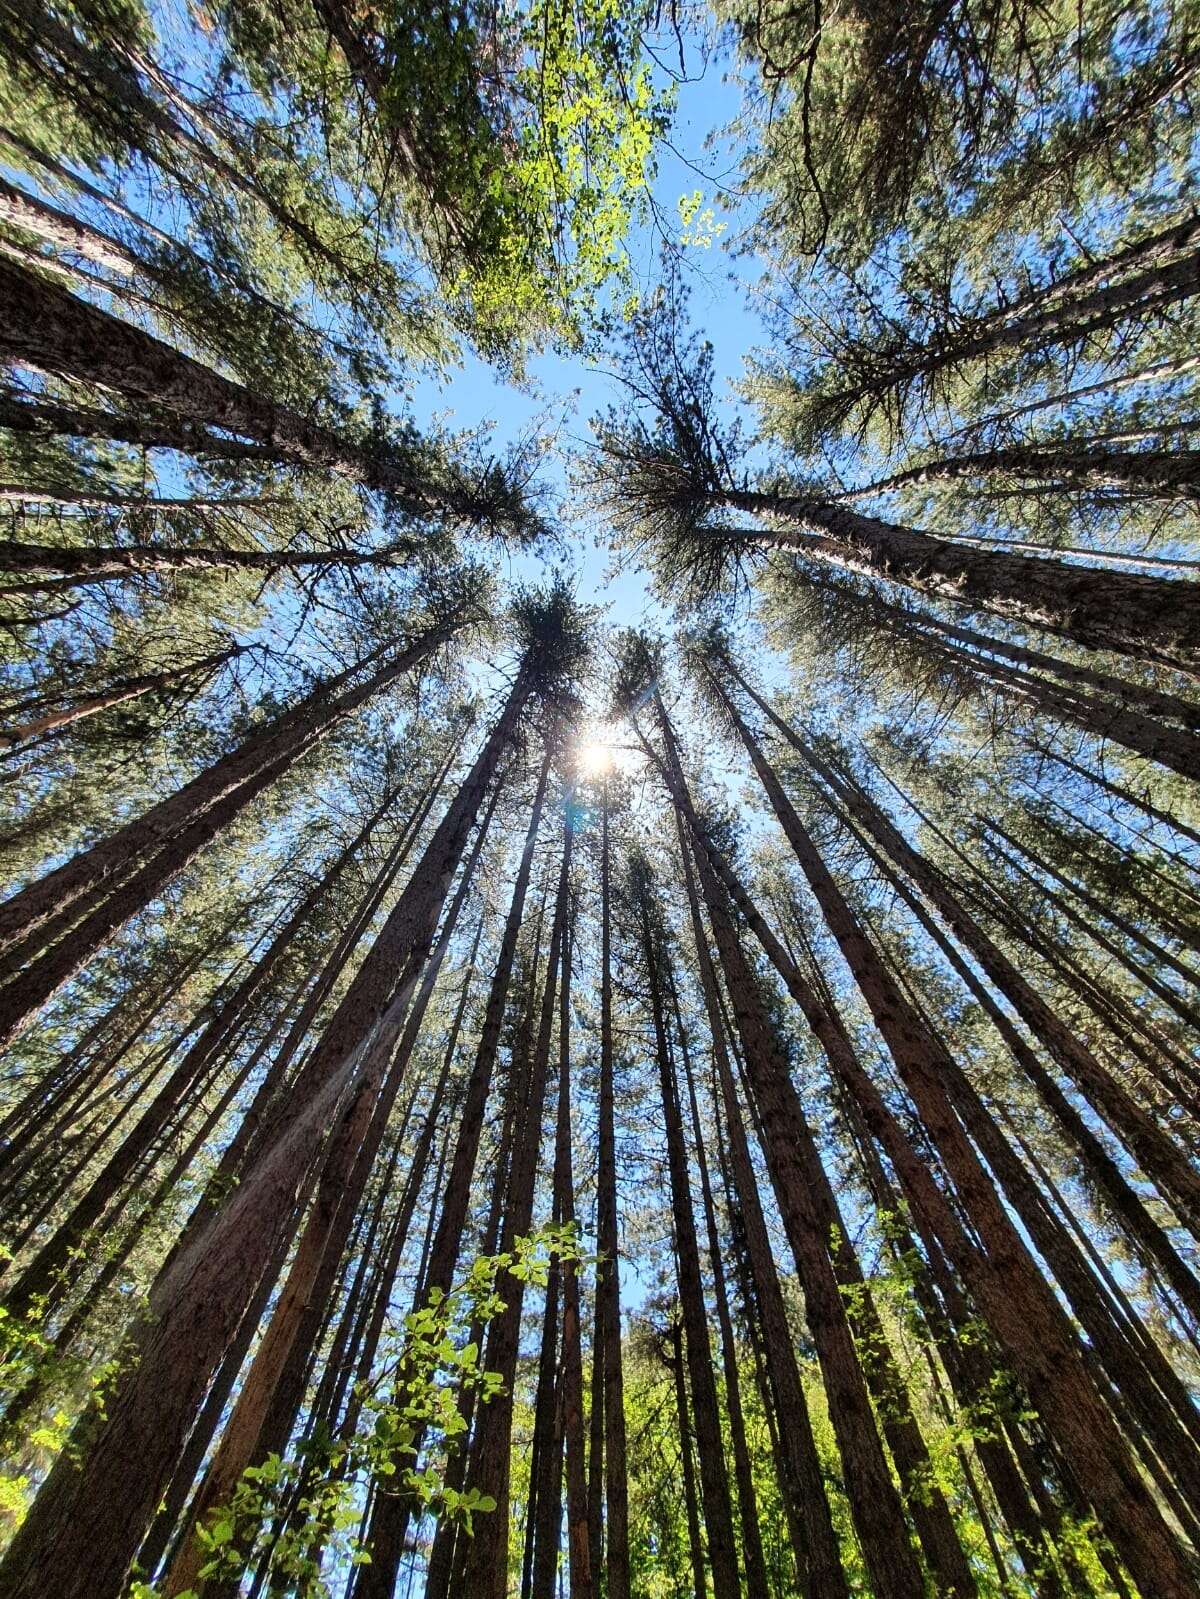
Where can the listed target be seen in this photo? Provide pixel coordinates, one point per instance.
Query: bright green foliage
(324, 1478)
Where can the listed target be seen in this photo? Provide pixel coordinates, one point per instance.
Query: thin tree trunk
(714, 1481)
(42, 1278)
(390, 1511)
(753, 1559)
(1152, 1148)
(608, 1286)
(130, 688)
(1148, 1236)
(1129, 696)
(578, 1527)
(485, 1567)
(687, 1462)
(165, 838)
(44, 418)
(876, 1507)
(815, 1545)
(1155, 474)
(1143, 278)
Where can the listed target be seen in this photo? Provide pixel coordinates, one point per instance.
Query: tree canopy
(615, 1013)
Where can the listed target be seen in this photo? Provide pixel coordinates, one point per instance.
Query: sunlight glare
(594, 759)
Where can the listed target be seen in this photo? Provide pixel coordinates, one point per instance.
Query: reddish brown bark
(91, 1514)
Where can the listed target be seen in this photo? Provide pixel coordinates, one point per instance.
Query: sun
(594, 758)
(595, 750)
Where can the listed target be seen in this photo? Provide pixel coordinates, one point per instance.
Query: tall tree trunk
(608, 1285)
(714, 1481)
(85, 565)
(1153, 1149)
(346, 1171)
(193, 673)
(582, 1581)
(148, 852)
(446, 1556)
(46, 419)
(43, 1277)
(815, 1546)
(1128, 695)
(753, 1559)
(1142, 278)
(94, 1507)
(1148, 1236)
(1013, 1295)
(390, 1512)
(485, 1570)
(878, 1513)
(45, 327)
(687, 1462)
(1153, 474)
(1129, 613)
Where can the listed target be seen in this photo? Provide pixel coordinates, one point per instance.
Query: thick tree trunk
(346, 1171)
(83, 565)
(1154, 1150)
(92, 1512)
(45, 327)
(1129, 613)
(1013, 1295)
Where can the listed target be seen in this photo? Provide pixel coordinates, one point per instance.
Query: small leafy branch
(301, 1514)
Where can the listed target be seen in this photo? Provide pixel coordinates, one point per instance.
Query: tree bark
(815, 1546)
(164, 839)
(391, 1511)
(485, 1570)
(714, 1481)
(45, 327)
(1154, 474)
(608, 1287)
(83, 565)
(1129, 613)
(88, 1519)
(753, 1559)
(1154, 1151)
(875, 1505)
(1018, 1303)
